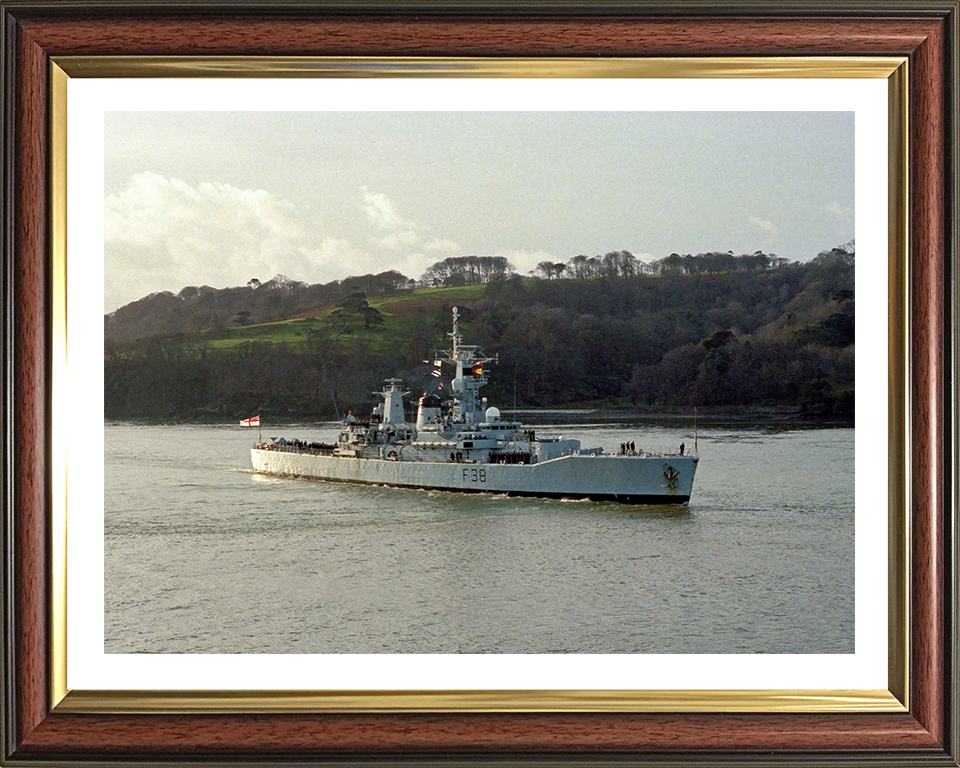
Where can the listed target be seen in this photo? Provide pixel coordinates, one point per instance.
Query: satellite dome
(457, 384)
(492, 414)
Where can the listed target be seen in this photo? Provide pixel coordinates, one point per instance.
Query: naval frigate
(461, 444)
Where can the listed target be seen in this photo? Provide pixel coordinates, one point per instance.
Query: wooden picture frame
(37, 732)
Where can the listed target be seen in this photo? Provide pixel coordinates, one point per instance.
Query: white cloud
(164, 234)
(765, 226)
(394, 232)
(398, 232)
(383, 213)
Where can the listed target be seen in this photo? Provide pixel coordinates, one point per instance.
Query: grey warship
(463, 445)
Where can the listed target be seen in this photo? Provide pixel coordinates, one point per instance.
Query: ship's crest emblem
(671, 476)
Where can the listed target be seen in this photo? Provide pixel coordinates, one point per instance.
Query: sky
(219, 198)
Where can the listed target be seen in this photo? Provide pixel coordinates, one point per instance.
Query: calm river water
(205, 556)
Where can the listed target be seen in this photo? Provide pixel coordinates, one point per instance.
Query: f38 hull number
(473, 475)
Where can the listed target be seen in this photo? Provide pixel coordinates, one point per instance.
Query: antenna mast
(455, 335)
(469, 376)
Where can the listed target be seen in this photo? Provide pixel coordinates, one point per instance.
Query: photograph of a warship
(463, 445)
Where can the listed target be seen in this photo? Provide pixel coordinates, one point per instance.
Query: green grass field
(399, 312)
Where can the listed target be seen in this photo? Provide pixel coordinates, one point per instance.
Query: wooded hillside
(708, 330)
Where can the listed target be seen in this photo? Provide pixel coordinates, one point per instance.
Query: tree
(353, 308)
(467, 270)
(376, 285)
(578, 267)
(618, 264)
(545, 269)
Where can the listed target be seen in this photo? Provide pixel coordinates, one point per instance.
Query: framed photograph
(106, 103)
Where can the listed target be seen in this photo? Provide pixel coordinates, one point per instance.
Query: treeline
(475, 270)
(625, 264)
(196, 308)
(466, 270)
(765, 335)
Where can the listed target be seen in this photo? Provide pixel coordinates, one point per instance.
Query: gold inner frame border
(894, 699)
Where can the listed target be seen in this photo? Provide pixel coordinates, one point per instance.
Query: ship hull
(623, 479)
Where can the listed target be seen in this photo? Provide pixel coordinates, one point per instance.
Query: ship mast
(469, 360)
(455, 334)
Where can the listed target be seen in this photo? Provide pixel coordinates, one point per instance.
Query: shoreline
(604, 412)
